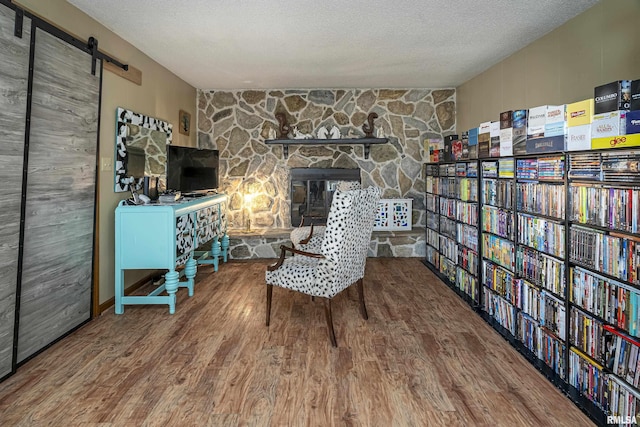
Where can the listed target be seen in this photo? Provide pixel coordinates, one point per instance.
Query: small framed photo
(184, 123)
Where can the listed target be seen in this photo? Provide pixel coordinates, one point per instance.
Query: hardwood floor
(422, 359)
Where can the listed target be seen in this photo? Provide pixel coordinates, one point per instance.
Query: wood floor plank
(422, 359)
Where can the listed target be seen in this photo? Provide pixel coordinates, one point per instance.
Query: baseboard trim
(137, 285)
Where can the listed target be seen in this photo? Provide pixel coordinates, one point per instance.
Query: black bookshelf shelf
(500, 295)
(605, 229)
(453, 260)
(539, 215)
(475, 251)
(497, 235)
(557, 257)
(542, 288)
(604, 322)
(451, 217)
(605, 275)
(510, 178)
(474, 274)
(541, 181)
(448, 236)
(618, 378)
(509, 269)
(604, 184)
(498, 207)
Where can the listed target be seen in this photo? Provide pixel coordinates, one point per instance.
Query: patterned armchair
(309, 238)
(339, 263)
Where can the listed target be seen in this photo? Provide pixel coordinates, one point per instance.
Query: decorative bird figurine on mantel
(368, 127)
(283, 125)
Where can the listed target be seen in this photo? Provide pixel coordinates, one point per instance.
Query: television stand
(164, 237)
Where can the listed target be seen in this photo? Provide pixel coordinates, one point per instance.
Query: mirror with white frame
(141, 149)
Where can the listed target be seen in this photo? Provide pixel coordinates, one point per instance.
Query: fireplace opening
(312, 191)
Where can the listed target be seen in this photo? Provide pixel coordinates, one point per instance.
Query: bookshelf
(432, 202)
(558, 273)
(604, 278)
(447, 222)
(452, 226)
(467, 270)
(498, 249)
(540, 200)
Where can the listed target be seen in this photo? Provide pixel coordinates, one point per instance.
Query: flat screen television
(191, 170)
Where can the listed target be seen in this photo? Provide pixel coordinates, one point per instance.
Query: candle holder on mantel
(366, 141)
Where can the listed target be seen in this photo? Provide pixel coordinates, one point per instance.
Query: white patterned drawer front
(393, 214)
(184, 237)
(207, 221)
(207, 215)
(206, 233)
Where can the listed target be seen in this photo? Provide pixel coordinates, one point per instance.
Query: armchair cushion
(298, 272)
(301, 233)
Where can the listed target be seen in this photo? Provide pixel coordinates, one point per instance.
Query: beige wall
(599, 46)
(161, 95)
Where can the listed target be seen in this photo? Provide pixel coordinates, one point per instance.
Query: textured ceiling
(244, 44)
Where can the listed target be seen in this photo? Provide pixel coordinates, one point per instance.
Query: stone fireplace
(238, 122)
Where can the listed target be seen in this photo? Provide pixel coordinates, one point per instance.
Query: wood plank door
(14, 72)
(60, 195)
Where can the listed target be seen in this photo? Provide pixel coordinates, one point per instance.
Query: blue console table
(165, 236)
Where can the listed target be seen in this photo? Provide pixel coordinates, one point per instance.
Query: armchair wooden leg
(363, 307)
(269, 293)
(327, 313)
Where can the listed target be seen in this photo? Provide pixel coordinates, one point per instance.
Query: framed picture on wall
(184, 126)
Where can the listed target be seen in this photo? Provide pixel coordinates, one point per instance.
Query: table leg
(171, 280)
(190, 270)
(215, 252)
(225, 247)
(119, 290)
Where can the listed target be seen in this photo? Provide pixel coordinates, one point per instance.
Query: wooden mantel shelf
(342, 141)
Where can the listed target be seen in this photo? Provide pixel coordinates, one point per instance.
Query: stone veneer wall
(266, 244)
(238, 122)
